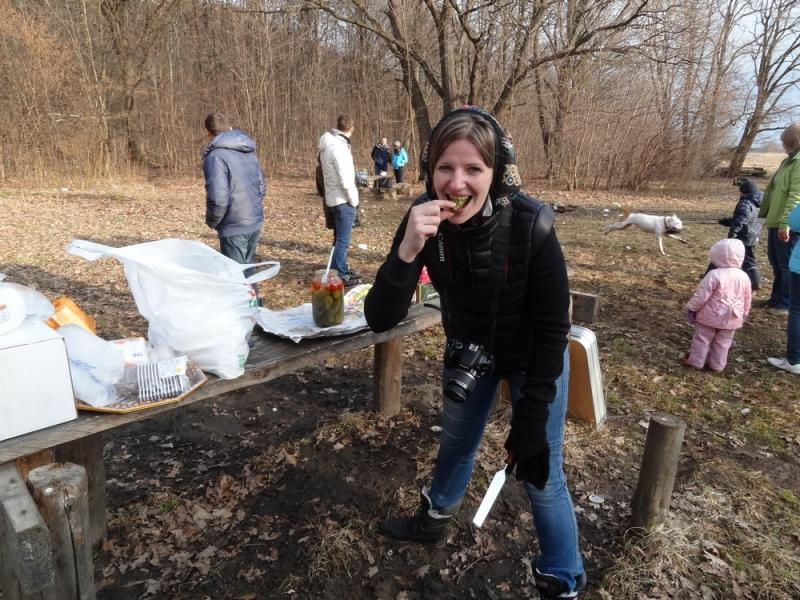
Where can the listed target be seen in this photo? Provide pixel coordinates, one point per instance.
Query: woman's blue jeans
(793, 325)
(553, 513)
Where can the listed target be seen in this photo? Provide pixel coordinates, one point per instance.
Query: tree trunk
(745, 143)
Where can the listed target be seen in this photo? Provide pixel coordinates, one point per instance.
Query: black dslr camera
(467, 362)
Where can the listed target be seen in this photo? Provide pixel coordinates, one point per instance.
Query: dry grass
(332, 548)
(769, 160)
(723, 532)
(733, 527)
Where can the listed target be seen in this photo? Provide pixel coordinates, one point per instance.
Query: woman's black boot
(552, 588)
(428, 526)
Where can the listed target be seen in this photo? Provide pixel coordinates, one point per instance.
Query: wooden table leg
(26, 464)
(26, 557)
(60, 492)
(387, 375)
(88, 452)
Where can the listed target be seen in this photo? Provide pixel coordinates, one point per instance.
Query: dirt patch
(275, 491)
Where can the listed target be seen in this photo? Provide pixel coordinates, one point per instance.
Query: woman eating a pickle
(493, 256)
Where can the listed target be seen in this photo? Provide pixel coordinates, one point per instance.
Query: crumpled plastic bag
(37, 306)
(94, 364)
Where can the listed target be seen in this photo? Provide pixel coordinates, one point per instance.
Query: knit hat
(747, 187)
(506, 181)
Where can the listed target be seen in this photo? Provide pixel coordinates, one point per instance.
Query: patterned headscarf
(506, 180)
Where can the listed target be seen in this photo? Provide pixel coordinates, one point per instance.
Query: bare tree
(594, 92)
(775, 55)
(469, 36)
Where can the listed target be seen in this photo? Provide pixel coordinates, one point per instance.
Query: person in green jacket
(780, 198)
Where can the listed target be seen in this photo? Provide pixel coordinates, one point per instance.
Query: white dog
(659, 226)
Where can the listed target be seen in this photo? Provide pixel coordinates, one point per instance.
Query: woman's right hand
(423, 223)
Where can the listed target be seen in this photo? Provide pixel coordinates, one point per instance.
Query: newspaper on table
(297, 323)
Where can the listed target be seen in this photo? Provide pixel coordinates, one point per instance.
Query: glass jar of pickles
(327, 298)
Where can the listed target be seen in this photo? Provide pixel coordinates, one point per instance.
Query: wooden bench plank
(270, 357)
(26, 560)
(585, 307)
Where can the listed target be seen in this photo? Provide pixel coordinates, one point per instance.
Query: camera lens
(459, 386)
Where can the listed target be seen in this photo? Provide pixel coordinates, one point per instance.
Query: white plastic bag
(86, 350)
(94, 364)
(196, 301)
(36, 305)
(12, 309)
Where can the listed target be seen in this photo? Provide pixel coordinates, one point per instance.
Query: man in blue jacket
(380, 156)
(235, 189)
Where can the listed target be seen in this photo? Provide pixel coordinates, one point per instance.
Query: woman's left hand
(530, 456)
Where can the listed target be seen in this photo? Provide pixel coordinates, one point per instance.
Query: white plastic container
(586, 399)
(12, 309)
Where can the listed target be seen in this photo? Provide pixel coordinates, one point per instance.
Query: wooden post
(26, 464)
(60, 492)
(502, 395)
(88, 452)
(387, 374)
(26, 560)
(662, 450)
(585, 307)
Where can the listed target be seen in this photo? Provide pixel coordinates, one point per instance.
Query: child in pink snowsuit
(719, 306)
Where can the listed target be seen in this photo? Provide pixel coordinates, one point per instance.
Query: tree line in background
(595, 93)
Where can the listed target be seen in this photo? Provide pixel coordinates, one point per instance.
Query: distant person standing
(380, 156)
(791, 361)
(745, 226)
(235, 189)
(399, 160)
(780, 197)
(341, 194)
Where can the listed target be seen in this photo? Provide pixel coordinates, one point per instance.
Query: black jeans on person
(378, 171)
(398, 174)
(242, 249)
(778, 253)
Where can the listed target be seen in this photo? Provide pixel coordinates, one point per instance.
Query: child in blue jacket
(745, 226)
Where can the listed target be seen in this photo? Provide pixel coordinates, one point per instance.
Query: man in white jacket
(341, 194)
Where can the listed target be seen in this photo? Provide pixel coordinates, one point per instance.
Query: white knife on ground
(491, 495)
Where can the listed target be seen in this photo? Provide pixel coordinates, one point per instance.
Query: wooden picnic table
(31, 561)
(270, 357)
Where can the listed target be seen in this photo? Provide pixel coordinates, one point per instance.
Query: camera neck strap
(500, 244)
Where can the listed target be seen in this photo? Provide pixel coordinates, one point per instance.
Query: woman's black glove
(535, 470)
(527, 443)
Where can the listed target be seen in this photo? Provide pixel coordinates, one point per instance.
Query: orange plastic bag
(69, 313)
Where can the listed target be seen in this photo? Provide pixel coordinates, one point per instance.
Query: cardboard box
(35, 386)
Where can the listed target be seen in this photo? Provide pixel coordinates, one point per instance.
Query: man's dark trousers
(242, 249)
